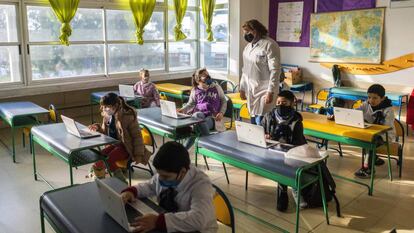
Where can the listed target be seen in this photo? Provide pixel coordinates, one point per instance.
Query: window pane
(220, 25)
(121, 26)
(56, 61)
(43, 25)
(214, 55)
(190, 3)
(8, 28)
(9, 64)
(182, 55)
(188, 24)
(133, 57)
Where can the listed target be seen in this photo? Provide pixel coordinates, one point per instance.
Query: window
(10, 64)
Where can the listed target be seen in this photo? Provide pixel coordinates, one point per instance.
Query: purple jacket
(149, 92)
(209, 102)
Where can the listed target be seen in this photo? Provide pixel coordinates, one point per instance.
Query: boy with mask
(284, 124)
(182, 190)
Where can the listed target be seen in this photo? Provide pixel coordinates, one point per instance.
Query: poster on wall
(289, 21)
(401, 3)
(347, 36)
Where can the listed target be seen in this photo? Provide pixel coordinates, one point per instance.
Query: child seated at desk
(284, 124)
(119, 122)
(207, 101)
(147, 89)
(377, 110)
(182, 190)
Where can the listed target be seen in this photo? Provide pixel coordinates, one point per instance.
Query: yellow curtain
(180, 7)
(207, 7)
(142, 12)
(64, 10)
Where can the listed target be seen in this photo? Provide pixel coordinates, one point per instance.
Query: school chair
(148, 140)
(357, 104)
(396, 147)
(163, 96)
(224, 209)
(243, 115)
(52, 118)
(322, 95)
(227, 83)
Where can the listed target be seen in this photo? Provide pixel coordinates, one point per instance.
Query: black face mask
(283, 110)
(249, 37)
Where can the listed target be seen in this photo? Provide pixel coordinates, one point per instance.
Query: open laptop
(78, 130)
(123, 214)
(350, 117)
(126, 91)
(169, 109)
(253, 134)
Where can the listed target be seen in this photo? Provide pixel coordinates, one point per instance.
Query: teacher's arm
(273, 61)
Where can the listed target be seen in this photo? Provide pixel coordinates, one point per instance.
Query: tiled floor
(390, 207)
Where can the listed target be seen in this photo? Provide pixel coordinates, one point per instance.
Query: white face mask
(109, 111)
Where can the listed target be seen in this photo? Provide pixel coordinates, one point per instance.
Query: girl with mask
(284, 124)
(182, 190)
(147, 89)
(259, 83)
(207, 101)
(119, 122)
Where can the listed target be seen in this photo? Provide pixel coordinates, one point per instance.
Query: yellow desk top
(235, 98)
(320, 123)
(173, 88)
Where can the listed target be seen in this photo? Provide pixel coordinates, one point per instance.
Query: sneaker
(303, 204)
(282, 199)
(379, 162)
(363, 173)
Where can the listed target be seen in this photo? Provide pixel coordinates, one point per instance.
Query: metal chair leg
(225, 172)
(205, 160)
(247, 180)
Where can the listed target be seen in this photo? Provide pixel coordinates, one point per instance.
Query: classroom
(206, 116)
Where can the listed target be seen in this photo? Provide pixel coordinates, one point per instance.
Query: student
(377, 110)
(182, 190)
(148, 90)
(207, 101)
(284, 124)
(119, 122)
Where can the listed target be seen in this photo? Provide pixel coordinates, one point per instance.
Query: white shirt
(259, 60)
(195, 202)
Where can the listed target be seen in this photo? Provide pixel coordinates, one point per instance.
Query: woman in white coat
(259, 83)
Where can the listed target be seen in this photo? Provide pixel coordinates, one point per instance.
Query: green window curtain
(207, 7)
(142, 12)
(180, 7)
(64, 10)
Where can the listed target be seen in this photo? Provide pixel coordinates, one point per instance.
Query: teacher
(259, 83)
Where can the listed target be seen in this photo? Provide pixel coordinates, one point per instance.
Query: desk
(319, 126)
(96, 99)
(350, 93)
(177, 91)
(303, 88)
(225, 148)
(78, 209)
(175, 129)
(19, 115)
(73, 150)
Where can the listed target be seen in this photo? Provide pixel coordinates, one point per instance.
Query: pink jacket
(149, 92)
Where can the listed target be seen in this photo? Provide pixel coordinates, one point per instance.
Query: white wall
(398, 40)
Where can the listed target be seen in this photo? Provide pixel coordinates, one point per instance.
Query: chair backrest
(163, 96)
(226, 83)
(224, 210)
(229, 109)
(52, 114)
(322, 95)
(357, 104)
(148, 137)
(399, 130)
(244, 112)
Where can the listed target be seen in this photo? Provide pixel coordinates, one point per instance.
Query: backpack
(312, 193)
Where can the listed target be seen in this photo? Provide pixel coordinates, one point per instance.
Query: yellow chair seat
(227, 125)
(173, 88)
(394, 149)
(122, 163)
(235, 98)
(315, 106)
(146, 137)
(26, 130)
(223, 213)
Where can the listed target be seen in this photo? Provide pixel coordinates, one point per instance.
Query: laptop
(169, 109)
(123, 214)
(78, 130)
(253, 134)
(350, 117)
(126, 91)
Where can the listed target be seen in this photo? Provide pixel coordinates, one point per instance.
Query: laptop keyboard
(132, 213)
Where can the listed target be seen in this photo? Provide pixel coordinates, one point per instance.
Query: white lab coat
(195, 202)
(259, 60)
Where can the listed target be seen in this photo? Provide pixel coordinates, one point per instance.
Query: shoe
(282, 199)
(363, 173)
(379, 162)
(303, 204)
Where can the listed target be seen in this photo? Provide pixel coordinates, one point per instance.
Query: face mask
(169, 183)
(283, 110)
(109, 112)
(209, 81)
(249, 37)
(145, 79)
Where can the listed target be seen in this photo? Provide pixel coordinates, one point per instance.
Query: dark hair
(287, 94)
(172, 157)
(112, 99)
(377, 89)
(257, 26)
(196, 76)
